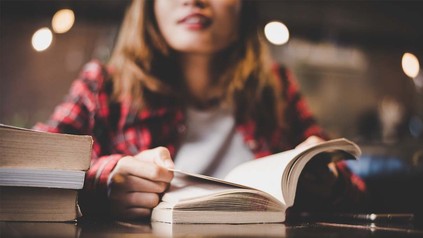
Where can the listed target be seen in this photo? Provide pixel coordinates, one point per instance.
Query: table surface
(296, 228)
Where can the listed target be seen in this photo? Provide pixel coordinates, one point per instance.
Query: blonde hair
(144, 65)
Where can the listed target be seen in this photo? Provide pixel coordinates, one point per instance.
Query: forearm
(322, 191)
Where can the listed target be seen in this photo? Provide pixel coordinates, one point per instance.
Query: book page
(49, 178)
(275, 174)
(162, 229)
(264, 174)
(348, 148)
(200, 189)
(207, 178)
(186, 186)
(278, 174)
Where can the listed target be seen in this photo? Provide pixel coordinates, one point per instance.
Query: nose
(195, 3)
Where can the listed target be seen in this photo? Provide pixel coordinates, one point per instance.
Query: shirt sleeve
(80, 112)
(300, 123)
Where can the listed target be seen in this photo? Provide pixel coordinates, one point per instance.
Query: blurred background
(357, 64)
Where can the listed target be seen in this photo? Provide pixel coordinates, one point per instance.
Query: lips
(196, 21)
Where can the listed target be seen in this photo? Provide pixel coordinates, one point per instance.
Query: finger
(137, 212)
(141, 200)
(158, 155)
(131, 213)
(333, 169)
(144, 169)
(132, 183)
(124, 201)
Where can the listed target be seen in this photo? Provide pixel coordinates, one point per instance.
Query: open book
(258, 191)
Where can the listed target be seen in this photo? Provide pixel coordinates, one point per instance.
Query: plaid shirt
(117, 131)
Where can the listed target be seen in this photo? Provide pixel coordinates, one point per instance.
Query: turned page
(264, 174)
(336, 149)
(187, 186)
(271, 173)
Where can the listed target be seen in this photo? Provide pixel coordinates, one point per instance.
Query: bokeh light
(410, 65)
(276, 33)
(42, 39)
(63, 21)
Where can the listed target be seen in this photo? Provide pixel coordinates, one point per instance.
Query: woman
(187, 78)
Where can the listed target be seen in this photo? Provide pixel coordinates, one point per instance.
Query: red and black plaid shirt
(117, 131)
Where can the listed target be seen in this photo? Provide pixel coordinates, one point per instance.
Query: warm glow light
(42, 39)
(276, 32)
(410, 65)
(63, 20)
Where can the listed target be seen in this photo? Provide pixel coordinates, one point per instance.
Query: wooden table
(297, 228)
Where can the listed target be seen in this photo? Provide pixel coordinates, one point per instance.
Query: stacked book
(41, 173)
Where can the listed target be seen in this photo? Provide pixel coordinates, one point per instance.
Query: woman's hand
(319, 177)
(137, 182)
(317, 182)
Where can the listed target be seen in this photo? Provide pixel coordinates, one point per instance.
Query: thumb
(159, 155)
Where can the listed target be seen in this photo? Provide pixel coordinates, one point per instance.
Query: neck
(198, 74)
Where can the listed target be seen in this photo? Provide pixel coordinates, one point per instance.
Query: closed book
(38, 204)
(26, 148)
(41, 173)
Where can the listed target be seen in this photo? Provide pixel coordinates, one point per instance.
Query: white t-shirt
(212, 145)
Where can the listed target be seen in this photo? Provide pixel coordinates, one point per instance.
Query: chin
(197, 46)
(196, 50)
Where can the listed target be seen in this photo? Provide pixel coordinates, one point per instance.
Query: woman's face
(198, 26)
